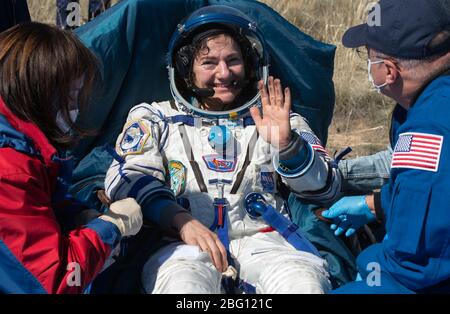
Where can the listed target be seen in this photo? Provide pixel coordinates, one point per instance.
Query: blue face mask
(374, 86)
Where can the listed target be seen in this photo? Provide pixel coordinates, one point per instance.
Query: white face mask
(375, 86)
(62, 123)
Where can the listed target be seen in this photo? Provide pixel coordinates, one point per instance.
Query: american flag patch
(417, 151)
(315, 143)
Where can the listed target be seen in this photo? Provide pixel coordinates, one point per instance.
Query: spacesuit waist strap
(290, 231)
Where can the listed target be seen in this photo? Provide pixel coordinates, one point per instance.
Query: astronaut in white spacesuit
(213, 163)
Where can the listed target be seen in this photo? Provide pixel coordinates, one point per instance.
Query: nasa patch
(134, 138)
(268, 182)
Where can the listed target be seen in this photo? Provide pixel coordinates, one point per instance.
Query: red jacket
(33, 250)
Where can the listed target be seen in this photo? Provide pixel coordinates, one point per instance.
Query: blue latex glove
(349, 214)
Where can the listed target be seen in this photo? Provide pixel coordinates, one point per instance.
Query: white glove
(126, 215)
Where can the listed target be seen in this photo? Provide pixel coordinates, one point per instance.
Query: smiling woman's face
(220, 66)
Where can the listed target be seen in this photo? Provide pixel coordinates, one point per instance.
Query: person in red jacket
(46, 75)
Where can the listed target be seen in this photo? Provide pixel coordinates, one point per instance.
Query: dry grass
(42, 10)
(361, 116)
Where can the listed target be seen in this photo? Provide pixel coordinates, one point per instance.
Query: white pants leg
(182, 269)
(268, 262)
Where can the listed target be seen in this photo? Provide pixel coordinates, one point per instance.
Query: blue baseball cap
(405, 28)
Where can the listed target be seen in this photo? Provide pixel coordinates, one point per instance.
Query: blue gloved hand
(349, 214)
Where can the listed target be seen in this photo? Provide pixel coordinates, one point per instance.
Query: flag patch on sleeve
(417, 151)
(315, 143)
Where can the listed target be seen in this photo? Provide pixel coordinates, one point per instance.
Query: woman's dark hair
(38, 67)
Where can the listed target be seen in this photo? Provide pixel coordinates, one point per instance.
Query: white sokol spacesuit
(218, 167)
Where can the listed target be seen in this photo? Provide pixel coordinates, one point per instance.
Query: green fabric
(341, 262)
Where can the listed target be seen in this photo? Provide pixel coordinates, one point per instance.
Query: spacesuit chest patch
(134, 138)
(267, 182)
(218, 163)
(177, 172)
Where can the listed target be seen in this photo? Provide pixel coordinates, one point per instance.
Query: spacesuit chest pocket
(408, 217)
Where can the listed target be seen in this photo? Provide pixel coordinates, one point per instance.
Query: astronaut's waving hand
(274, 126)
